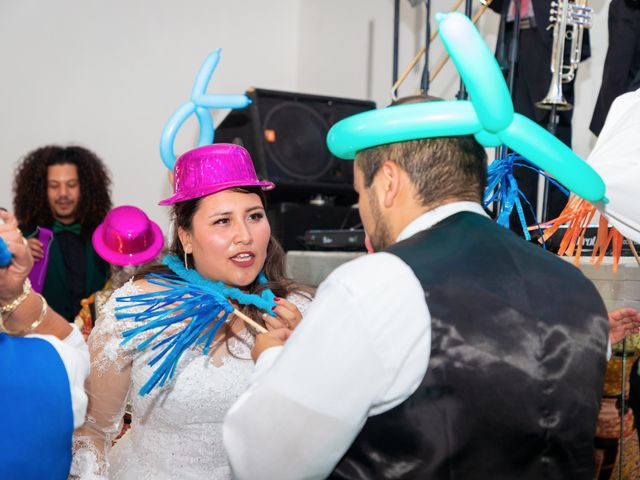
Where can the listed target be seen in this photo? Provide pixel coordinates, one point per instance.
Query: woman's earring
(186, 264)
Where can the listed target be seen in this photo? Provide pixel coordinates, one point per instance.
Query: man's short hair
(439, 168)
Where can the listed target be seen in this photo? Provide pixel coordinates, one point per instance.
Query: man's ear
(185, 240)
(390, 182)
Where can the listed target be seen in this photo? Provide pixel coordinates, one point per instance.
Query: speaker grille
(285, 133)
(295, 138)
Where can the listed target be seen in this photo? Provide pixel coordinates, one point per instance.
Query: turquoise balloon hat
(199, 105)
(489, 117)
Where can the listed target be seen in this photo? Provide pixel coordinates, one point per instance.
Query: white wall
(589, 79)
(108, 74)
(355, 55)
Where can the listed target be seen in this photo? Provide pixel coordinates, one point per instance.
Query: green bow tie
(61, 227)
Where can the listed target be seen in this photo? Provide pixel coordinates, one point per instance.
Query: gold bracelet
(33, 326)
(7, 310)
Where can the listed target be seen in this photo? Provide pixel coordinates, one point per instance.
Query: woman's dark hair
(274, 265)
(30, 202)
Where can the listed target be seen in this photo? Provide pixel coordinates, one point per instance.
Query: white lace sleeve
(300, 300)
(107, 387)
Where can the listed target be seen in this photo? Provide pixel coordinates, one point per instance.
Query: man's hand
(622, 323)
(37, 250)
(274, 338)
(12, 277)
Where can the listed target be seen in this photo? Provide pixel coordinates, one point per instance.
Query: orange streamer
(577, 215)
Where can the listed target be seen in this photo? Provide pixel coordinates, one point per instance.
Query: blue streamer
(502, 187)
(188, 296)
(5, 254)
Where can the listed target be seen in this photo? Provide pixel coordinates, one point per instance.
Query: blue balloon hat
(199, 104)
(489, 116)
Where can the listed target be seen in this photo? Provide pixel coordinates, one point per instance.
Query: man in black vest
(65, 189)
(458, 351)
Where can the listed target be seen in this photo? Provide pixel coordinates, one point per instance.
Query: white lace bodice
(176, 430)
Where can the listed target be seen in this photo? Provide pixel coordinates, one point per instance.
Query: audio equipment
(352, 239)
(285, 133)
(588, 242)
(565, 13)
(290, 222)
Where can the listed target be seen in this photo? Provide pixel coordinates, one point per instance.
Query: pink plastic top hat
(127, 237)
(211, 169)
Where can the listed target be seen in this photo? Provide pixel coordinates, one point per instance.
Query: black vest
(516, 369)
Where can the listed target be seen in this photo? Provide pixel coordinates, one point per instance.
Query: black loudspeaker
(291, 221)
(285, 133)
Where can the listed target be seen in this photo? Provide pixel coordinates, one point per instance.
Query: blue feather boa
(189, 296)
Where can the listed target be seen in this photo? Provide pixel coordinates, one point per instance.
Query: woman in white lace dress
(222, 232)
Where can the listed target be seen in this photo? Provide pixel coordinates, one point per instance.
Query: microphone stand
(396, 39)
(424, 81)
(514, 45)
(622, 408)
(552, 126)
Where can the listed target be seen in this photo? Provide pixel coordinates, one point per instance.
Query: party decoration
(265, 301)
(5, 254)
(206, 311)
(577, 216)
(616, 158)
(502, 189)
(187, 296)
(489, 116)
(479, 69)
(199, 104)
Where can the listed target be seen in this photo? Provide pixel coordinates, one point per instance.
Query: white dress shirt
(74, 354)
(362, 348)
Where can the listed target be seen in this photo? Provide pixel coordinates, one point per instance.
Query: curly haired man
(65, 189)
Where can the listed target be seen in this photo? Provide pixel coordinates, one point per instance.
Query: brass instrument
(565, 13)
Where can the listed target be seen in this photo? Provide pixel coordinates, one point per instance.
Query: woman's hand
(288, 316)
(264, 341)
(12, 277)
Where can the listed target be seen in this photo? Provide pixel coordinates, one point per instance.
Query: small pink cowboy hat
(127, 237)
(211, 169)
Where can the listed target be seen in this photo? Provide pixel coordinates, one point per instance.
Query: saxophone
(563, 14)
